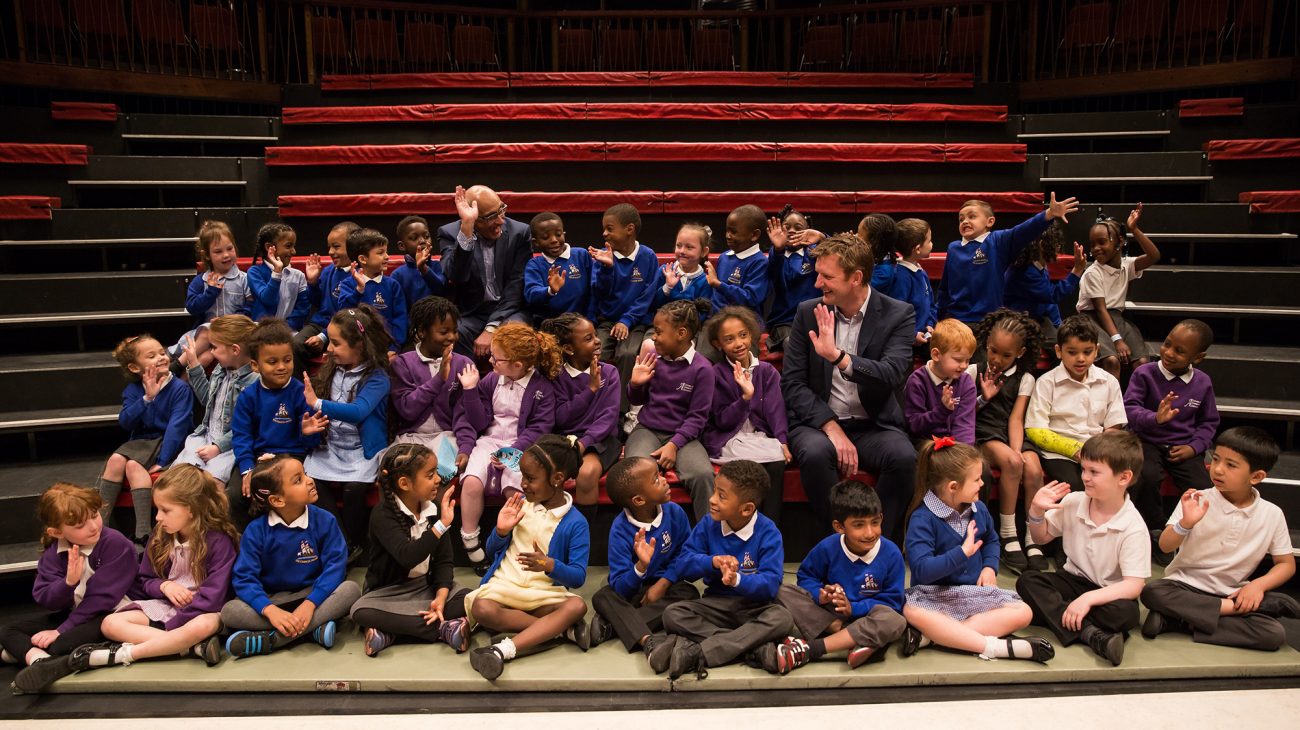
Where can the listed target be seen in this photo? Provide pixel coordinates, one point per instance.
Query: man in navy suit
(483, 259)
(847, 354)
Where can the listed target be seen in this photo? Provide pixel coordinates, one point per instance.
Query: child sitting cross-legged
(289, 578)
(739, 554)
(539, 555)
(850, 586)
(644, 541)
(952, 551)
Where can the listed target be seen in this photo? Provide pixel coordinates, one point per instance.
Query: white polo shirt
(1077, 410)
(1107, 282)
(1104, 554)
(1225, 547)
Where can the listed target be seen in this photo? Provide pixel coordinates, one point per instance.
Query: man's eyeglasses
(493, 216)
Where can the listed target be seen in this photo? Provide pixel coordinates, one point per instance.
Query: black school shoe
(687, 657)
(1013, 560)
(1042, 648)
(1036, 559)
(41, 674)
(911, 641)
(764, 657)
(1106, 645)
(79, 659)
(600, 631)
(1154, 625)
(658, 649)
(487, 661)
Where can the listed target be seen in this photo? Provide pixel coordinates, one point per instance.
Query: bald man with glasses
(483, 258)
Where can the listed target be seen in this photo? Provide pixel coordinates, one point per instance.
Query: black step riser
(1264, 331)
(92, 294)
(18, 520)
(1254, 379)
(1208, 287)
(1094, 122)
(155, 223)
(47, 389)
(104, 167)
(199, 124)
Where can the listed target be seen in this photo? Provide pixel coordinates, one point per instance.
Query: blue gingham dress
(958, 602)
(341, 458)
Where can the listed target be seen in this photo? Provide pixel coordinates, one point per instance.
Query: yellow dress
(513, 586)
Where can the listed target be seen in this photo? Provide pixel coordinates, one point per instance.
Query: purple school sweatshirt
(1197, 418)
(416, 393)
(677, 399)
(114, 564)
(592, 417)
(536, 412)
(927, 415)
(766, 408)
(209, 597)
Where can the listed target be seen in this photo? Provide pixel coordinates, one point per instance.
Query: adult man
(846, 355)
(483, 258)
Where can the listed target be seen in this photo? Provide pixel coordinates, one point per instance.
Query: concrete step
(78, 318)
(198, 125)
(1122, 167)
(142, 167)
(1257, 372)
(1255, 285)
(1259, 408)
(58, 418)
(56, 381)
(1094, 124)
(35, 294)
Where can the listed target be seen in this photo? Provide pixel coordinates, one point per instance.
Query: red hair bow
(941, 442)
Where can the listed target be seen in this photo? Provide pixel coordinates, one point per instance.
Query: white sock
(996, 648)
(1031, 547)
(925, 641)
(7, 657)
(99, 657)
(507, 649)
(1007, 526)
(474, 553)
(35, 655)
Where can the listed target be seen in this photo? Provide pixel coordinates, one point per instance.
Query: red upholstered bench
(20, 153)
(1272, 201)
(502, 79)
(28, 207)
(1279, 148)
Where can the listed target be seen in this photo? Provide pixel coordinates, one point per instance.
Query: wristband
(1035, 520)
(440, 529)
(1116, 337)
(839, 359)
(1183, 531)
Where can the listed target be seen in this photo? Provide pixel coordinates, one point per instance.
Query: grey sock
(109, 491)
(143, 501)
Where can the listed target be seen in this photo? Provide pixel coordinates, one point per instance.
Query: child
(279, 290)
(675, 389)
(509, 408)
(747, 417)
(881, 234)
(418, 276)
(209, 446)
(952, 553)
(271, 417)
(182, 583)
(1103, 288)
(739, 554)
(685, 278)
(939, 397)
(289, 576)
(354, 380)
(586, 404)
(369, 251)
(1094, 596)
(1170, 406)
(644, 541)
(1005, 382)
(974, 265)
(789, 273)
(409, 587)
(157, 412)
(1072, 403)
(424, 385)
(904, 279)
(559, 280)
(623, 286)
(325, 285)
(1029, 287)
(741, 275)
(864, 617)
(1221, 535)
(221, 288)
(84, 573)
(527, 589)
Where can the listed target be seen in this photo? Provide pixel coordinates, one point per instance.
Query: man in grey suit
(847, 354)
(483, 258)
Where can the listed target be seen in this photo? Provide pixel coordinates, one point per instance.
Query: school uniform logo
(1192, 403)
(337, 288)
(747, 564)
(980, 257)
(637, 278)
(538, 395)
(282, 415)
(306, 553)
(379, 302)
(574, 272)
(869, 586)
(665, 542)
(686, 387)
(806, 268)
(735, 277)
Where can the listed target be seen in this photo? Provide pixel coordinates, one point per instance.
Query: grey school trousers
(630, 619)
(879, 628)
(239, 615)
(726, 627)
(1200, 611)
(693, 464)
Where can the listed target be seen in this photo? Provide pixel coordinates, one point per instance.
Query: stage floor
(307, 667)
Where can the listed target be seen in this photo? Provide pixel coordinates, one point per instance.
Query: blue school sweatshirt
(209, 302)
(387, 298)
(697, 288)
(877, 582)
(417, 284)
(897, 281)
(973, 271)
(792, 276)
(569, 547)
(669, 530)
(1030, 289)
(574, 296)
(623, 292)
(280, 557)
(934, 552)
(169, 416)
(269, 422)
(757, 546)
(266, 296)
(742, 279)
(325, 292)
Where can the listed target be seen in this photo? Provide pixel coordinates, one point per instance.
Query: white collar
(166, 381)
(852, 556)
(376, 280)
(563, 255)
(688, 356)
(1060, 375)
(572, 371)
(560, 511)
(232, 274)
(687, 275)
(1185, 377)
(425, 359)
(795, 252)
(744, 254)
(522, 382)
(753, 363)
(659, 518)
(978, 239)
(273, 518)
(636, 248)
(427, 510)
(943, 510)
(909, 265)
(1227, 507)
(85, 550)
(743, 533)
(934, 378)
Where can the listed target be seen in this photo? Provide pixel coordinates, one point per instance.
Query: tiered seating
(502, 80)
(27, 207)
(1272, 201)
(22, 153)
(1253, 149)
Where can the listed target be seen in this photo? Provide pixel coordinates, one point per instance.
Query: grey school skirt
(1132, 336)
(407, 598)
(142, 451)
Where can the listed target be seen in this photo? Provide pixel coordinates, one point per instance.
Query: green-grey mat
(307, 667)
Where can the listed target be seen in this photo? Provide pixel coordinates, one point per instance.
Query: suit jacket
(880, 365)
(465, 274)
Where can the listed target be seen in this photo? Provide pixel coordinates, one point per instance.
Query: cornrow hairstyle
(405, 224)
(401, 460)
(267, 235)
(205, 497)
(1077, 327)
(1115, 230)
(211, 232)
(935, 468)
(881, 234)
(270, 331)
(530, 347)
(744, 314)
(541, 218)
(126, 353)
(620, 482)
(362, 328)
(264, 482)
(557, 455)
(429, 311)
(364, 240)
(686, 313)
(704, 232)
(749, 479)
(561, 326)
(66, 504)
(1018, 324)
(626, 214)
(788, 210)
(1045, 249)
